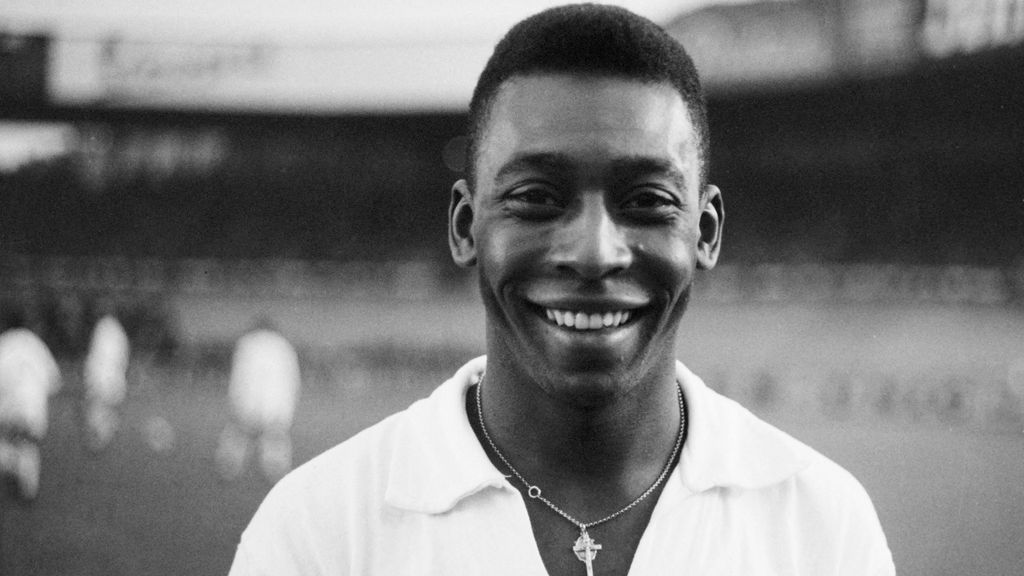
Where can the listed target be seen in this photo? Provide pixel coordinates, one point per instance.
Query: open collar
(727, 446)
(437, 460)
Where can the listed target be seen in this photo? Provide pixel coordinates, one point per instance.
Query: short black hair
(589, 39)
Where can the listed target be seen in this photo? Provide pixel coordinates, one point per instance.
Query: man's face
(586, 224)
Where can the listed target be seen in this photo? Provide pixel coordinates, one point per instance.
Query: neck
(615, 446)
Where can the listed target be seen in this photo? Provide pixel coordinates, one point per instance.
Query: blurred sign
(172, 70)
(757, 44)
(260, 76)
(782, 44)
(966, 26)
(777, 44)
(877, 35)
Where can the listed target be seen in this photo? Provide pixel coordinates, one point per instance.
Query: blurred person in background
(579, 444)
(262, 391)
(105, 375)
(29, 375)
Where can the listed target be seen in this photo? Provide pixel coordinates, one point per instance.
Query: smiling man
(578, 445)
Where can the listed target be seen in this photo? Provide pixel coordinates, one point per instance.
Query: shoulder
(829, 490)
(837, 514)
(787, 493)
(328, 514)
(826, 508)
(22, 338)
(796, 477)
(730, 447)
(352, 472)
(325, 504)
(24, 345)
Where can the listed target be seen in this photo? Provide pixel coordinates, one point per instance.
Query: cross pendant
(586, 550)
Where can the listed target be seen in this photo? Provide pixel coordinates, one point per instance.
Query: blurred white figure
(262, 392)
(29, 375)
(105, 375)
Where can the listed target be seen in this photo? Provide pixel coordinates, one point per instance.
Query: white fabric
(416, 494)
(106, 363)
(28, 377)
(265, 381)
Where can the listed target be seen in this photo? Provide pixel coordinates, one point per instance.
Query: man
(105, 375)
(264, 383)
(578, 445)
(29, 375)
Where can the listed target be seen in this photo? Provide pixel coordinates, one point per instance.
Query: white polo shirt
(416, 494)
(106, 365)
(265, 381)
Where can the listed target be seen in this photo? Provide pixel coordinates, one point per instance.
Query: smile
(587, 321)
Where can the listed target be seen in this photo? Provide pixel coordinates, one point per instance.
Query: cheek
(505, 252)
(669, 260)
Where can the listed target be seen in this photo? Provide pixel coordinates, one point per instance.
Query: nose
(591, 243)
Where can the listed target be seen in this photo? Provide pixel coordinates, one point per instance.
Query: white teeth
(587, 321)
(582, 321)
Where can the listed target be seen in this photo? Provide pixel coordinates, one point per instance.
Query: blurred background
(206, 164)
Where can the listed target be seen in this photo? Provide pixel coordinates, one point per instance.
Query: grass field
(946, 471)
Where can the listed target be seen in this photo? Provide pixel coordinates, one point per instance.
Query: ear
(712, 217)
(460, 225)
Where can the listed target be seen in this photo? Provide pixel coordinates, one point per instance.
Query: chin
(588, 381)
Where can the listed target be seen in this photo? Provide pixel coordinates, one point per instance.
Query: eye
(534, 202)
(535, 195)
(648, 198)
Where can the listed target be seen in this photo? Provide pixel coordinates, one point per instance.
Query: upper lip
(590, 304)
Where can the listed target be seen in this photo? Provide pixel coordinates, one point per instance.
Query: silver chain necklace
(585, 547)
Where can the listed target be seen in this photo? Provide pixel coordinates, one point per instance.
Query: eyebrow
(621, 168)
(544, 161)
(632, 167)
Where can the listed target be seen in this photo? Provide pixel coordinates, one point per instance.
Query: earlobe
(712, 218)
(460, 225)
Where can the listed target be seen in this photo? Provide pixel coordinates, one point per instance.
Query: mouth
(580, 320)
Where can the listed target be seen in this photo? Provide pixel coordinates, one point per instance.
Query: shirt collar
(437, 460)
(727, 446)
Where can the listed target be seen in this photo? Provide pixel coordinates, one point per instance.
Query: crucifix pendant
(586, 550)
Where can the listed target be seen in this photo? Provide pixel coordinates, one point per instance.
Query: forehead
(591, 118)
